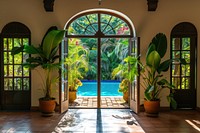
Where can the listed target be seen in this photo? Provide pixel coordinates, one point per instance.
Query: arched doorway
(183, 76)
(15, 78)
(110, 37)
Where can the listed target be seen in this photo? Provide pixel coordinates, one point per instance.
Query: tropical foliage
(113, 51)
(77, 63)
(127, 70)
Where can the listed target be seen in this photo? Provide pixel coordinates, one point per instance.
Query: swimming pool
(108, 88)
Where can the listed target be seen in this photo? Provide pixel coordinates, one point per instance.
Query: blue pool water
(108, 88)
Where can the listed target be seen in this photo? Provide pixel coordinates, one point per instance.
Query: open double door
(134, 87)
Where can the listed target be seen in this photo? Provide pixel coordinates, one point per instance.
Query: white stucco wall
(147, 24)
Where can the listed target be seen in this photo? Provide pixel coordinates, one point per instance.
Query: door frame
(187, 30)
(99, 36)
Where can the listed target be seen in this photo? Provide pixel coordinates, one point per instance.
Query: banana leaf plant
(154, 82)
(46, 57)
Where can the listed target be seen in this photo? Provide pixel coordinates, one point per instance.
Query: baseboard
(161, 108)
(34, 108)
(198, 109)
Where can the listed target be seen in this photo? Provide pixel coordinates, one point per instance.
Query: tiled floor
(106, 102)
(100, 121)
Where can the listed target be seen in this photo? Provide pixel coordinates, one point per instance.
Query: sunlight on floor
(193, 124)
(98, 120)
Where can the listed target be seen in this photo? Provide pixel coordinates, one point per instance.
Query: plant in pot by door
(154, 82)
(45, 58)
(77, 66)
(127, 71)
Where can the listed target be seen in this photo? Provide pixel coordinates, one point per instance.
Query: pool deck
(106, 102)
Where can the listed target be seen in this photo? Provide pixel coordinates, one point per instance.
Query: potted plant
(126, 71)
(154, 82)
(77, 66)
(46, 59)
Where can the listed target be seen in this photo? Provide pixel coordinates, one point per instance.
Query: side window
(16, 77)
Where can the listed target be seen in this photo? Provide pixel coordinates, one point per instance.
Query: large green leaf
(147, 94)
(153, 60)
(151, 48)
(30, 49)
(160, 42)
(51, 41)
(165, 83)
(17, 50)
(164, 66)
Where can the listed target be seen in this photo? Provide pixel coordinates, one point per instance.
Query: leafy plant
(154, 82)
(77, 62)
(44, 56)
(127, 71)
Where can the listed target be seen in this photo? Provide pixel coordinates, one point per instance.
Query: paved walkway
(106, 102)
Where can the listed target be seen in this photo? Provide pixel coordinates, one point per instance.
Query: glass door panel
(64, 93)
(181, 74)
(134, 86)
(113, 53)
(83, 71)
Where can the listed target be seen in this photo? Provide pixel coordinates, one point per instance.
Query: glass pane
(10, 70)
(175, 54)
(25, 56)
(176, 70)
(25, 71)
(26, 84)
(92, 18)
(6, 58)
(185, 83)
(5, 44)
(25, 41)
(17, 84)
(10, 58)
(186, 56)
(18, 58)
(176, 82)
(176, 44)
(18, 70)
(10, 41)
(186, 70)
(185, 43)
(8, 84)
(5, 71)
(17, 42)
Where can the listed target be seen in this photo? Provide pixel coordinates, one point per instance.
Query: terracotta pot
(72, 96)
(47, 106)
(151, 107)
(125, 96)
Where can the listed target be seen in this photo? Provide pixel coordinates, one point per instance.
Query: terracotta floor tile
(100, 121)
